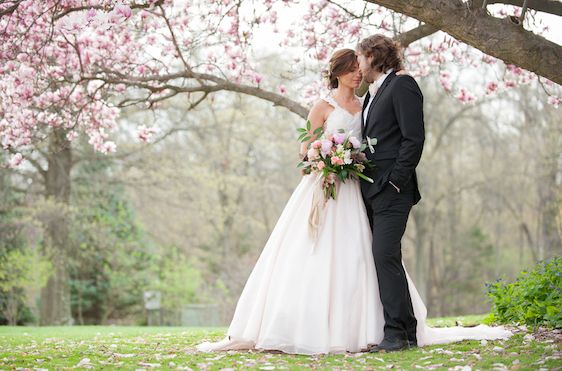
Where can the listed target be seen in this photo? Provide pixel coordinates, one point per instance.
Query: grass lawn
(107, 347)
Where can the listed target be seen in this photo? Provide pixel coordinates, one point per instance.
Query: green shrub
(534, 298)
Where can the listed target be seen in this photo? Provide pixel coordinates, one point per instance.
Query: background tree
(69, 68)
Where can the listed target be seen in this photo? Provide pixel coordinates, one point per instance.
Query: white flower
(370, 143)
(347, 157)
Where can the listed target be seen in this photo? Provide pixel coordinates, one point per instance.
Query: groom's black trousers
(388, 213)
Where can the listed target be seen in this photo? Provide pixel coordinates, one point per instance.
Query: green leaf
(302, 136)
(308, 125)
(318, 130)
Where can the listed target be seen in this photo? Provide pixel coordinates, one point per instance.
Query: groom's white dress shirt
(373, 91)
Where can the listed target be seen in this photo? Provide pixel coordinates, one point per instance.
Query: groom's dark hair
(385, 52)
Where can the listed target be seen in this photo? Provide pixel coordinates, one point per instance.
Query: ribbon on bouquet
(316, 216)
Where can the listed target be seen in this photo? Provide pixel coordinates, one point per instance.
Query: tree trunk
(549, 206)
(55, 297)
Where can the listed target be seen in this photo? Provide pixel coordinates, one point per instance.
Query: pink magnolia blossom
(465, 96)
(55, 56)
(145, 133)
(555, 101)
(16, 160)
(491, 87)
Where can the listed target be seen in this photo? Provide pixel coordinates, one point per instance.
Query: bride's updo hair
(342, 61)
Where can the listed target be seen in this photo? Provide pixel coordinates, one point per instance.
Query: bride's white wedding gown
(311, 296)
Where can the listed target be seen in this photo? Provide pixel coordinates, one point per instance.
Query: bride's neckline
(335, 103)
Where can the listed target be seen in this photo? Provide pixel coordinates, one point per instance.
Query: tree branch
(494, 36)
(408, 37)
(545, 6)
(10, 9)
(158, 83)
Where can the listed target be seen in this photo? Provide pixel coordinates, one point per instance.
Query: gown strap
(331, 101)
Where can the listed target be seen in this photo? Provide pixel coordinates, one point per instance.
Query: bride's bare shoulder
(320, 110)
(321, 105)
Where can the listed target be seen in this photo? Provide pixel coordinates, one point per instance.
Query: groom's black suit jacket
(395, 118)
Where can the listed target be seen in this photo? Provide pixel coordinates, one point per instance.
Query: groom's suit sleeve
(407, 99)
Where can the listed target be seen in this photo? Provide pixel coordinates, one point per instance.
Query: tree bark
(549, 208)
(546, 6)
(497, 37)
(55, 297)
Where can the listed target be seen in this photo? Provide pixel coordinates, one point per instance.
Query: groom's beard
(371, 76)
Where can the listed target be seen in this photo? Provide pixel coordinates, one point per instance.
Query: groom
(393, 114)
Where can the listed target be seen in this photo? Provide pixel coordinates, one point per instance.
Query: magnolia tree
(73, 64)
(67, 67)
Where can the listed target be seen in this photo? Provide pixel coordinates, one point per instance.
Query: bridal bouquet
(334, 156)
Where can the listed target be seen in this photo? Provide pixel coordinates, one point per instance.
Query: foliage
(20, 272)
(534, 298)
(111, 257)
(179, 281)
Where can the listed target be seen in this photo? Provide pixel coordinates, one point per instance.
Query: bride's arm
(317, 117)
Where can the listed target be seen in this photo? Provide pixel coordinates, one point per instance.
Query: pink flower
(317, 144)
(313, 154)
(355, 142)
(326, 147)
(491, 87)
(108, 147)
(123, 10)
(321, 165)
(555, 101)
(282, 89)
(16, 160)
(336, 160)
(339, 138)
(509, 84)
(465, 97)
(446, 84)
(145, 133)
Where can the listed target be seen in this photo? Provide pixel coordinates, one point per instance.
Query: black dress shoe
(393, 345)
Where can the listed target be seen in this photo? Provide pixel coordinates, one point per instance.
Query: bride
(312, 293)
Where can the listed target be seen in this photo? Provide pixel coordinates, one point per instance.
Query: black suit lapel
(377, 96)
